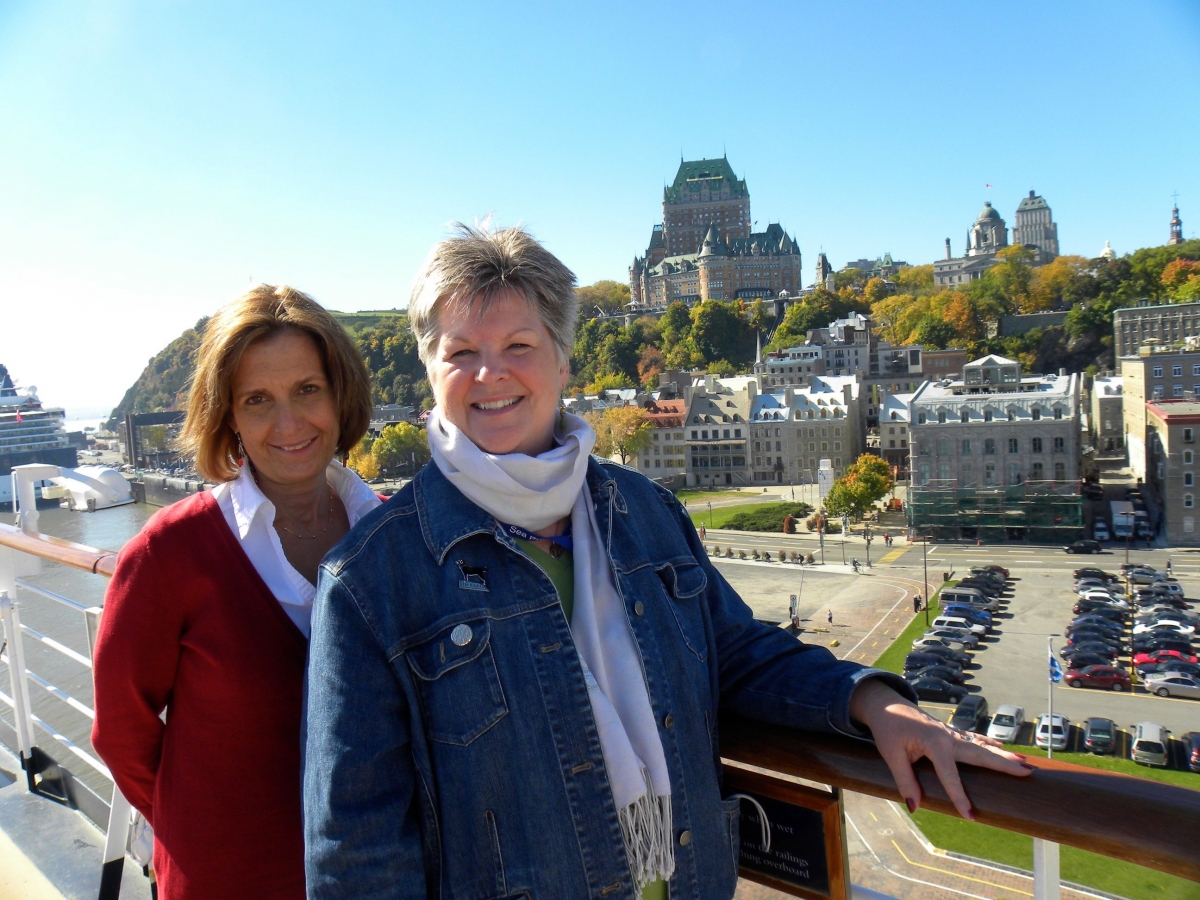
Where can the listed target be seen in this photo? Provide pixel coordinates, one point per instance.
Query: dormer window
(1037, 413)
(964, 416)
(1058, 412)
(987, 415)
(941, 418)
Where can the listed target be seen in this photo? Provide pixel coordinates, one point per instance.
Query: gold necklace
(328, 521)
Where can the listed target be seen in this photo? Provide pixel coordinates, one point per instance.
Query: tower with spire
(1176, 228)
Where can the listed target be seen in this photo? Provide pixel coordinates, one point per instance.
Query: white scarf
(534, 492)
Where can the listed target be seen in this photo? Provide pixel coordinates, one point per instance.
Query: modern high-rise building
(1035, 227)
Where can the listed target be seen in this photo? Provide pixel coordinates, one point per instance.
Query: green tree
(936, 333)
(401, 446)
(609, 296)
(721, 331)
(622, 431)
(362, 460)
(608, 381)
(873, 473)
(914, 279)
(675, 324)
(848, 497)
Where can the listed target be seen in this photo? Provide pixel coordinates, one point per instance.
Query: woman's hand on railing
(904, 733)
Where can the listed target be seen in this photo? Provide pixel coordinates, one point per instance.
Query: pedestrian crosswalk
(893, 555)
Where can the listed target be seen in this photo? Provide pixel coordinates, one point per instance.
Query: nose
(491, 369)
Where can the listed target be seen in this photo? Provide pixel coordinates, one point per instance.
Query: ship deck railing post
(22, 708)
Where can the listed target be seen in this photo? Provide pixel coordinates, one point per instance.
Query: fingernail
(1029, 767)
(1021, 756)
(911, 804)
(971, 814)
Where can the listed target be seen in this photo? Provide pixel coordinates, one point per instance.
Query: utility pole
(925, 566)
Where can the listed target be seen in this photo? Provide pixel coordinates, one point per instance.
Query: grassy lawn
(1090, 869)
(723, 514)
(892, 659)
(699, 498)
(1113, 764)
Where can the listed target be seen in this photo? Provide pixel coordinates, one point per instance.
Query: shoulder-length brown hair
(264, 311)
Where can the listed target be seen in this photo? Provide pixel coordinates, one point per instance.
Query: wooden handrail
(68, 553)
(1135, 819)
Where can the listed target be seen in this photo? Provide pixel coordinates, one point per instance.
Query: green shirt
(561, 571)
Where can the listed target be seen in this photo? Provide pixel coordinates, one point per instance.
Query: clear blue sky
(155, 157)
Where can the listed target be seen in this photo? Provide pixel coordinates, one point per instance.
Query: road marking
(957, 874)
(903, 597)
(893, 555)
(873, 816)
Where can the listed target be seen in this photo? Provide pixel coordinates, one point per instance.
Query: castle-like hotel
(704, 248)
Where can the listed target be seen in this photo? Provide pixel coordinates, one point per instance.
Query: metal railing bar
(50, 595)
(61, 695)
(73, 747)
(4, 698)
(53, 644)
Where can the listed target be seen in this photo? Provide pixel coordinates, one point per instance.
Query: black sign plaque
(807, 856)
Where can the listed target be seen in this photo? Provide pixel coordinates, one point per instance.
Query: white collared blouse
(251, 517)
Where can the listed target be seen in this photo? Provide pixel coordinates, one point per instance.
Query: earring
(241, 450)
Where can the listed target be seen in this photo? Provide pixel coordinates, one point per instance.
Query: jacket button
(639, 608)
(669, 720)
(685, 839)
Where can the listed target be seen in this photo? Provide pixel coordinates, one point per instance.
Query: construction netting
(1037, 511)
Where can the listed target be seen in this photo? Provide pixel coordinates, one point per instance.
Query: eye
(310, 389)
(460, 354)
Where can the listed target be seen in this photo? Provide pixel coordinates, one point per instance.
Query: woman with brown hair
(207, 615)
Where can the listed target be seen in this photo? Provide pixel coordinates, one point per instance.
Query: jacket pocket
(685, 582)
(460, 689)
(732, 809)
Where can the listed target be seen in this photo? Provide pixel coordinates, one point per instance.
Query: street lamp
(710, 514)
(925, 566)
(867, 538)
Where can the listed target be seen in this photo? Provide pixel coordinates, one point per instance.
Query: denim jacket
(451, 748)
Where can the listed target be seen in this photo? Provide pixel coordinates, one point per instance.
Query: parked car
(1100, 530)
(1099, 735)
(994, 568)
(969, 596)
(1091, 572)
(1092, 621)
(994, 573)
(1006, 723)
(983, 585)
(1052, 731)
(1106, 597)
(952, 674)
(971, 713)
(931, 640)
(1083, 547)
(1106, 677)
(1173, 665)
(1099, 648)
(1164, 626)
(946, 620)
(946, 653)
(1150, 742)
(918, 660)
(1173, 684)
(1093, 607)
(970, 613)
(968, 639)
(1139, 576)
(1083, 660)
(1157, 643)
(1163, 656)
(938, 690)
(1191, 750)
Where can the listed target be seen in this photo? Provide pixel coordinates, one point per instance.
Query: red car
(1159, 656)
(1098, 676)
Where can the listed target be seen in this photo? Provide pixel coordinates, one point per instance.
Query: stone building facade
(792, 430)
(1169, 323)
(1172, 427)
(717, 430)
(705, 250)
(667, 454)
(1106, 415)
(1155, 373)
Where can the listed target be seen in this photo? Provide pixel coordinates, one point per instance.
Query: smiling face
(497, 377)
(284, 410)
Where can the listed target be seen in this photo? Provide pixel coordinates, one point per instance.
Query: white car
(1054, 734)
(1178, 627)
(1100, 530)
(1006, 723)
(959, 622)
(1173, 684)
(1105, 597)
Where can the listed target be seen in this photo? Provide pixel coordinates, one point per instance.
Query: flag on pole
(988, 186)
(1056, 672)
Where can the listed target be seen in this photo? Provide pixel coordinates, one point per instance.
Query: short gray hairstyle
(477, 265)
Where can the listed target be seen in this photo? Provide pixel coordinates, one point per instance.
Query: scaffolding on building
(1036, 511)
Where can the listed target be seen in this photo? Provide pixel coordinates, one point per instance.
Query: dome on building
(988, 214)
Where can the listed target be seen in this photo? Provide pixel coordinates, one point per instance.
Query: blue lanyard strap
(563, 540)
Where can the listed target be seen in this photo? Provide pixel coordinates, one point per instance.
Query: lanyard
(521, 534)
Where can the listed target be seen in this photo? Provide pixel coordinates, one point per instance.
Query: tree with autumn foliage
(622, 431)
(866, 482)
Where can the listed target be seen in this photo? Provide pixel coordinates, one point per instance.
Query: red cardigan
(190, 627)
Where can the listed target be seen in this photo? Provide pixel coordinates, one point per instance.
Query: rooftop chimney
(948, 248)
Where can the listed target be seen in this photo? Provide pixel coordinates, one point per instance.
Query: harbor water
(106, 529)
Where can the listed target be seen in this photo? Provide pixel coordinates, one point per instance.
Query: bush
(716, 549)
(768, 517)
(832, 525)
(756, 553)
(741, 554)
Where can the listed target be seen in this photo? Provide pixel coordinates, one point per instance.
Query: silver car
(1006, 723)
(1052, 734)
(1173, 684)
(928, 640)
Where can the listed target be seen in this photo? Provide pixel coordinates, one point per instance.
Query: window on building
(1060, 445)
(1187, 457)
(694, 438)
(923, 473)
(1012, 415)
(966, 447)
(989, 474)
(1177, 390)
(966, 475)
(824, 446)
(1196, 369)
(1058, 412)
(1158, 371)
(1187, 501)
(1036, 472)
(1013, 445)
(837, 445)
(1158, 392)
(704, 435)
(1037, 413)
(941, 418)
(812, 447)
(922, 448)
(964, 416)
(1189, 524)
(987, 415)
(943, 447)
(1060, 471)
(920, 418)
(726, 435)
(989, 448)
(1036, 444)
(1188, 479)
(1176, 371)
(737, 432)
(1014, 473)
(1187, 436)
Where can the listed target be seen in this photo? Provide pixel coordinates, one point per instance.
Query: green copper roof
(691, 174)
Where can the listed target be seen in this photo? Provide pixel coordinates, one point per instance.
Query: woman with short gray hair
(518, 663)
